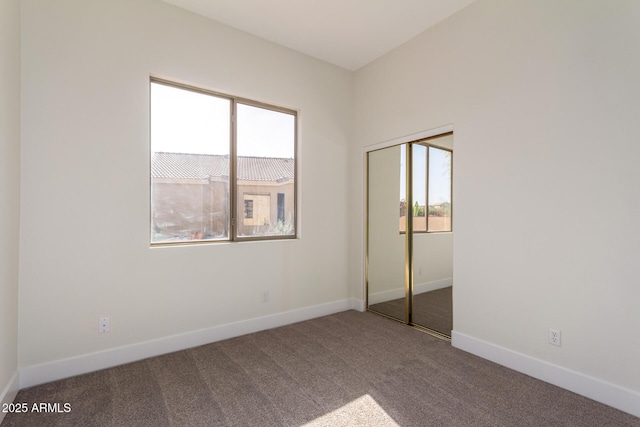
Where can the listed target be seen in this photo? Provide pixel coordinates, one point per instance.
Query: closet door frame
(421, 138)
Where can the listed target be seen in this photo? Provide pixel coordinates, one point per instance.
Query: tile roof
(202, 166)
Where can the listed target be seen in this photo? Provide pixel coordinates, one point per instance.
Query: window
(281, 215)
(431, 209)
(248, 209)
(257, 210)
(213, 177)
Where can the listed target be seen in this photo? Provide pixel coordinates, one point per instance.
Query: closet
(409, 263)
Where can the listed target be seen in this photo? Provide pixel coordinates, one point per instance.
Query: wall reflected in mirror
(386, 245)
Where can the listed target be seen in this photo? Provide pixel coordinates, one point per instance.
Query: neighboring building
(190, 196)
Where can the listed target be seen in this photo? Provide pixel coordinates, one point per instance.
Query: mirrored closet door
(386, 283)
(410, 233)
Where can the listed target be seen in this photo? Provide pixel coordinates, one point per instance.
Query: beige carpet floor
(347, 369)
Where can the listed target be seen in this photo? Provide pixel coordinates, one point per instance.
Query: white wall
(9, 195)
(85, 179)
(543, 97)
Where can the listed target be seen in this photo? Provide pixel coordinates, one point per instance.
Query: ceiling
(347, 33)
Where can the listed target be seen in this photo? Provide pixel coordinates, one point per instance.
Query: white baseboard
(385, 296)
(10, 391)
(601, 391)
(59, 369)
(357, 304)
(418, 288)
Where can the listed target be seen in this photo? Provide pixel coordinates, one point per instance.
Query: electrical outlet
(265, 296)
(554, 336)
(104, 324)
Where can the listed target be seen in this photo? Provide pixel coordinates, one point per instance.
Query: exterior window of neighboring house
(217, 162)
(248, 209)
(281, 207)
(431, 184)
(260, 214)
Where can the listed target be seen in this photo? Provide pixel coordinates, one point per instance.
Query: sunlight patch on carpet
(364, 411)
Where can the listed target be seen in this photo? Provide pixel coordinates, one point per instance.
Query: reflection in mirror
(439, 189)
(433, 250)
(386, 246)
(419, 190)
(425, 297)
